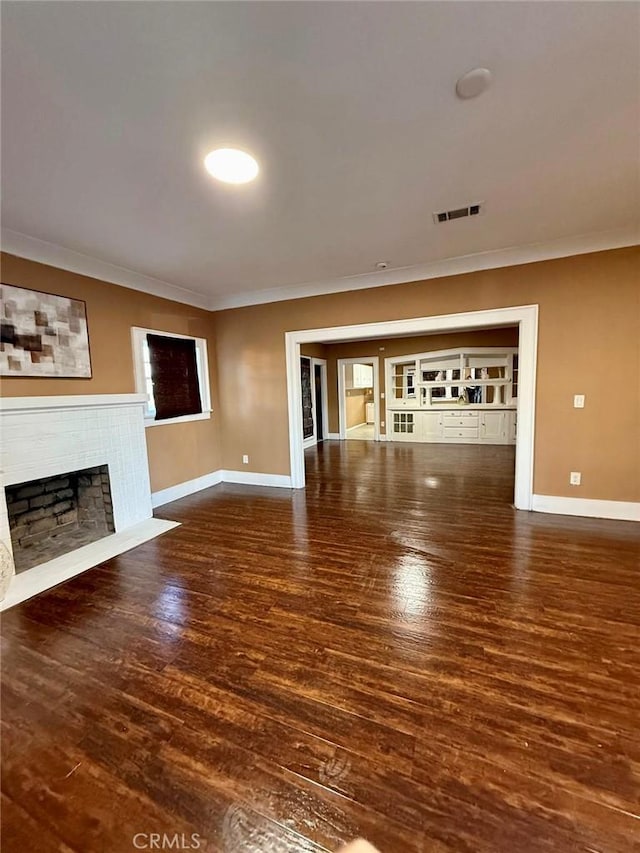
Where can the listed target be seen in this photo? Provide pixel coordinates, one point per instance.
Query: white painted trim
(24, 246)
(294, 399)
(322, 364)
(525, 316)
(183, 419)
(12, 405)
(312, 441)
(40, 578)
(333, 436)
(188, 487)
(493, 259)
(342, 413)
(619, 510)
(252, 478)
(138, 340)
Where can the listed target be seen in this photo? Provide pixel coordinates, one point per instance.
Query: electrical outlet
(574, 478)
(578, 401)
(245, 460)
(382, 396)
(382, 424)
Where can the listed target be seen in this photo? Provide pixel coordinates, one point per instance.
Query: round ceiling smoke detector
(473, 83)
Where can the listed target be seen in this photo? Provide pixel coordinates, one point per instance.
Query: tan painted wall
(588, 343)
(177, 452)
(403, 346)
(356, 411)
(589, 340)
(313, 350)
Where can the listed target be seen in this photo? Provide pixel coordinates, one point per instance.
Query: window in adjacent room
(172, 372)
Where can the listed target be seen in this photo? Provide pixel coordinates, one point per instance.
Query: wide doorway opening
(463, 382)
(358, 389)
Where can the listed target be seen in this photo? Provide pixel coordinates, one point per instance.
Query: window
(172, 372)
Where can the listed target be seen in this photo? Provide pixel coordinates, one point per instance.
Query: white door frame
(524, 316)
(342, 393)
(313, 439)
(325, 397)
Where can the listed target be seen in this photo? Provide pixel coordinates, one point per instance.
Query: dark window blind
(174, 374)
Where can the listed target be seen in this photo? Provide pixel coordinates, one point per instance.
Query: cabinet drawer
(461, 432)
(460, 413)
(459, 421)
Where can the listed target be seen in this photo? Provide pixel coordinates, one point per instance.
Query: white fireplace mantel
(13, 405)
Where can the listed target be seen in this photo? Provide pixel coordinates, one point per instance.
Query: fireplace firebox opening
(54, 515)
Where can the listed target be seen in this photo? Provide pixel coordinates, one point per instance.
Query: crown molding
(513, 256)
(24, 246)
(33, 249)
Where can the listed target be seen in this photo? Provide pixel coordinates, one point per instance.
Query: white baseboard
(335, 436)
(251, 478)
(619, 510)
(189, 487)
(181, 490)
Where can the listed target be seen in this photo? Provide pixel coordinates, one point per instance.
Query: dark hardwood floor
(394, 652)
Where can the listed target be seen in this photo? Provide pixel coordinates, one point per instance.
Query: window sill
(183, 419)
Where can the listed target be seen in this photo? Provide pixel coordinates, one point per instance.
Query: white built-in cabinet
(493, 426)
(431, 423)
(453, 396)
(362, 376)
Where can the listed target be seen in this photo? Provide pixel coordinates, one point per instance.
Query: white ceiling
(108, 110)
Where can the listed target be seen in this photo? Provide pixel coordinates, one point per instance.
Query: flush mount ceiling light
(473, 83)
(231, 165)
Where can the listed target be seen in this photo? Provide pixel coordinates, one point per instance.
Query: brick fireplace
(53, 515)
(97, 444)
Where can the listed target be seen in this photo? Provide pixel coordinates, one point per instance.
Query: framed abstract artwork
(43, 335)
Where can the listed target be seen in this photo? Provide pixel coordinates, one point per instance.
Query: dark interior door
(307, 399)
(319, 413)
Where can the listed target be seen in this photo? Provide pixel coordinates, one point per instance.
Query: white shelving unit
(459, 396)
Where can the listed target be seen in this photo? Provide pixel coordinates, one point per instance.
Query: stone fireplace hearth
(53, 515)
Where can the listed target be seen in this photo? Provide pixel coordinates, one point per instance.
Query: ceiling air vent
(458, 213)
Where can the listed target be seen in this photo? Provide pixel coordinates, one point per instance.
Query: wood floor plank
(394, 652)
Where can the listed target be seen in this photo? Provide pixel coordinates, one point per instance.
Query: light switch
(578, 401)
